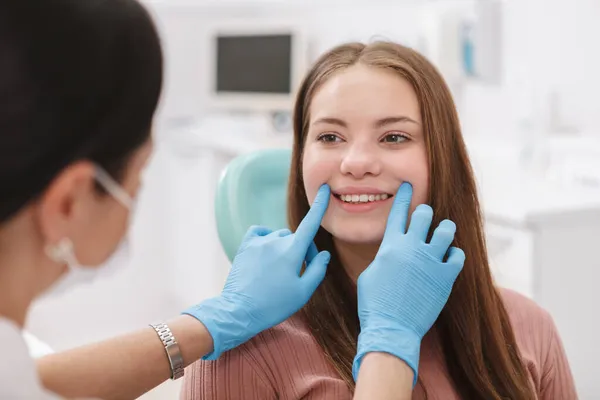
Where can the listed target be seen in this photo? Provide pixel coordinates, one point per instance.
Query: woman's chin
(358, 237)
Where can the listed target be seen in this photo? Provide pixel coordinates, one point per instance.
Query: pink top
(286, 363)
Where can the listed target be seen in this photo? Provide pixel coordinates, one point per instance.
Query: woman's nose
(360, 161)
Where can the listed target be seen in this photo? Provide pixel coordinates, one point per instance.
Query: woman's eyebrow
(330, 121)
(393, 120)
(380, 123)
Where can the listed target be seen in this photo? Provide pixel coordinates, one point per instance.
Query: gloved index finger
(398, 216)
(309, 226)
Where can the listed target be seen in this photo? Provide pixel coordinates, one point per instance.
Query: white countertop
(512, 195)
(514, 198)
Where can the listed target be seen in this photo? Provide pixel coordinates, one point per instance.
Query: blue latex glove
(403, 291)
(264, 286)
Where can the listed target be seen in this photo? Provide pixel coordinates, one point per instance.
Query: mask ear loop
(113, 187)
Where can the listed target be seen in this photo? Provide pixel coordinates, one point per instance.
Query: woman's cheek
(316, 170)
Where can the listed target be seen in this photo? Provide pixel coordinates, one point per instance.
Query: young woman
(368, 118)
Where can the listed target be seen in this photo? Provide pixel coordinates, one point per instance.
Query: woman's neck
(13, 304)
(355, 258)
(17, 290)
(21, 275)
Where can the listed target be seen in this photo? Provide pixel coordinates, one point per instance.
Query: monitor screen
(254, 64)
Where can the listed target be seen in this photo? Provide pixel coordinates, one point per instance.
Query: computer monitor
(256, 66)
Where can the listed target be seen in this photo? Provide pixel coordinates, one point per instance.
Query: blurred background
(525, 78)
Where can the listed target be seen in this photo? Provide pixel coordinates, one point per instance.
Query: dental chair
(252, 191)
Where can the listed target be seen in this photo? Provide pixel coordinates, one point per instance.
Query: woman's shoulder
(532, 326)
(293, 330)
(540, 345)
(282, 362)
(290, 347)
(523, 311)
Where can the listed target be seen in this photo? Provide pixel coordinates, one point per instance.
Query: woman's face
(364, 139)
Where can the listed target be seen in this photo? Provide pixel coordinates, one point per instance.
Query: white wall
(185, 28)
(548, 45)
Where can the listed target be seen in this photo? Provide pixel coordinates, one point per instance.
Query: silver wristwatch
(172, 349)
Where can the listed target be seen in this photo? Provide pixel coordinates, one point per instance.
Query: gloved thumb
(315, 272)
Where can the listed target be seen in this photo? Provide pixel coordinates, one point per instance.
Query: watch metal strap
(172, 349)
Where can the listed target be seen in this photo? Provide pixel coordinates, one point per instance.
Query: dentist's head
(79, 85)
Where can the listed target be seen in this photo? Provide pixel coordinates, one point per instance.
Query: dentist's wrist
(399, 342)
(192, 336)
(222, 319)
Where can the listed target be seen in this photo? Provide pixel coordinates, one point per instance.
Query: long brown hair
(475, 333)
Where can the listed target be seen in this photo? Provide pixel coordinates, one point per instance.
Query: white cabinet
(554, 260)
(544, 238)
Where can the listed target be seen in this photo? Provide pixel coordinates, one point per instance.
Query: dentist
(79, 85)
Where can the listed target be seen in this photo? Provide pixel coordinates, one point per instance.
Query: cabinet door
(510, 252)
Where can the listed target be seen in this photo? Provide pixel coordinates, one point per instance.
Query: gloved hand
(264, 286)
(403, 291)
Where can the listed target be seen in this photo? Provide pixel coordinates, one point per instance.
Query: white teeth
(362, 198)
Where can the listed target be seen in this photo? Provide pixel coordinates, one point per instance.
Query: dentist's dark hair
(79, 80)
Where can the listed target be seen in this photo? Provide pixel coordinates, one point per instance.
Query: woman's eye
(395, 138)
(328, 138)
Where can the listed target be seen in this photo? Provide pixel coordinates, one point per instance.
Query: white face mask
(64, 252)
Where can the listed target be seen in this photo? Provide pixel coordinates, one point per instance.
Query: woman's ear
(65, 200)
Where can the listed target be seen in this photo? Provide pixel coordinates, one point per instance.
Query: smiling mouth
(362, 198)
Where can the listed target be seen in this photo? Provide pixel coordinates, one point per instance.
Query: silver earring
(61, 251)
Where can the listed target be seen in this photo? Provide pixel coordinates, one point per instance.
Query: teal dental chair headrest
(252, 191)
